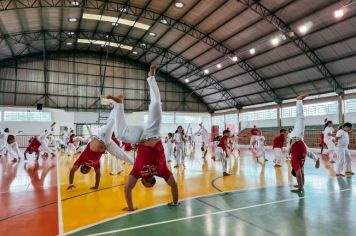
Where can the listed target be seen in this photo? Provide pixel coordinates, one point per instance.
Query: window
(259, 115)
(350, 105)
(166, 119)
(27, 116)
(319, 109)
(188, 119)
(231, 122)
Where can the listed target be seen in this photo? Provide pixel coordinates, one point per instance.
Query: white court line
(202, 215)
(164, 204)
(59, 200)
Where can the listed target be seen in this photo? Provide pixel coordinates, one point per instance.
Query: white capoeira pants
(42, 140)
(278, 156)
(298, 130)
(105, 134)
(253, 139)
(116, 165)
(331, 149)
(220, 154)
(168, 151)
(180, 153)
(134, 134)
(71, 148)
(344, 159)
(261, 152)
(13, 150)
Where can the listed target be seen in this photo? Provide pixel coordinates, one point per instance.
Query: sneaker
(297, 190)
(340, 175)
(349, 173)
(226, 174)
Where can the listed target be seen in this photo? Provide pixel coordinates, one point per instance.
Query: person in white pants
(260, 147)
(278, 143)
(203, 132)
(298, 130)
(289, 140)
(179, 141)
(329, 140)
(90, 157)
(222, 151)
(169, 147)
(3, 141)
(254, 134)
(344, 157)
(150, 161)
(116, 167)
(13, 148)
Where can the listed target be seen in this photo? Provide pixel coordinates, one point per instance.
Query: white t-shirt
(344, 139)
(178, 138)
(328, 130)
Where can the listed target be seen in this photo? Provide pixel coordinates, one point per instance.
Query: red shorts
(298, 152)
(34, 146)
(89, 158)
(150, 162)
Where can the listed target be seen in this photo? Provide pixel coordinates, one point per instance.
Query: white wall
(311, 120)
(62, 118)
(259, 123)
(69, 119)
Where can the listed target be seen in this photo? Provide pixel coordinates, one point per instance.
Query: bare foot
(153, 70)
(301, 97)
(129, 209)
(118, 99)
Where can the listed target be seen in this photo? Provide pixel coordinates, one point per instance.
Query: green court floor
(327, 207)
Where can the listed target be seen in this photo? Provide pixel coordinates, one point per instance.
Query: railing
(22, 140)
(311, 138)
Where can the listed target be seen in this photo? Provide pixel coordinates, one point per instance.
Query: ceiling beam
(285, 29)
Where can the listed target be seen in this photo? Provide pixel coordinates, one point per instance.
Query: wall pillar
(340, 105)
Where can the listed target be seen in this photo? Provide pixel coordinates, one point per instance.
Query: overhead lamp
(75, 3)
(339, 13)
(164, 21)
(179, 5)
(115, 21)
(206, 71)
(218, 66)
(275, 41)
(124, 9)
(152, 34)
(72, 20)
(186, 80)
(303, 29)
(134, 52)
(234, 59)
(252, 51)
(69, 43)
(105, 43)
(70, 33)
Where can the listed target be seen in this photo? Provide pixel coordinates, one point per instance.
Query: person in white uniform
(169, 147)
(203, 132)
(329, 140)
(260, 147)
(289, 140)
(3, 141)
(179, 141)
(298, 130)
(344, 157)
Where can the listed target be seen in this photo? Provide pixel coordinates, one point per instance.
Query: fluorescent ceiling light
(115, 20)
(104, 43)
(72, 19)
(187, 80)
(179, 5)
(339, 13)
